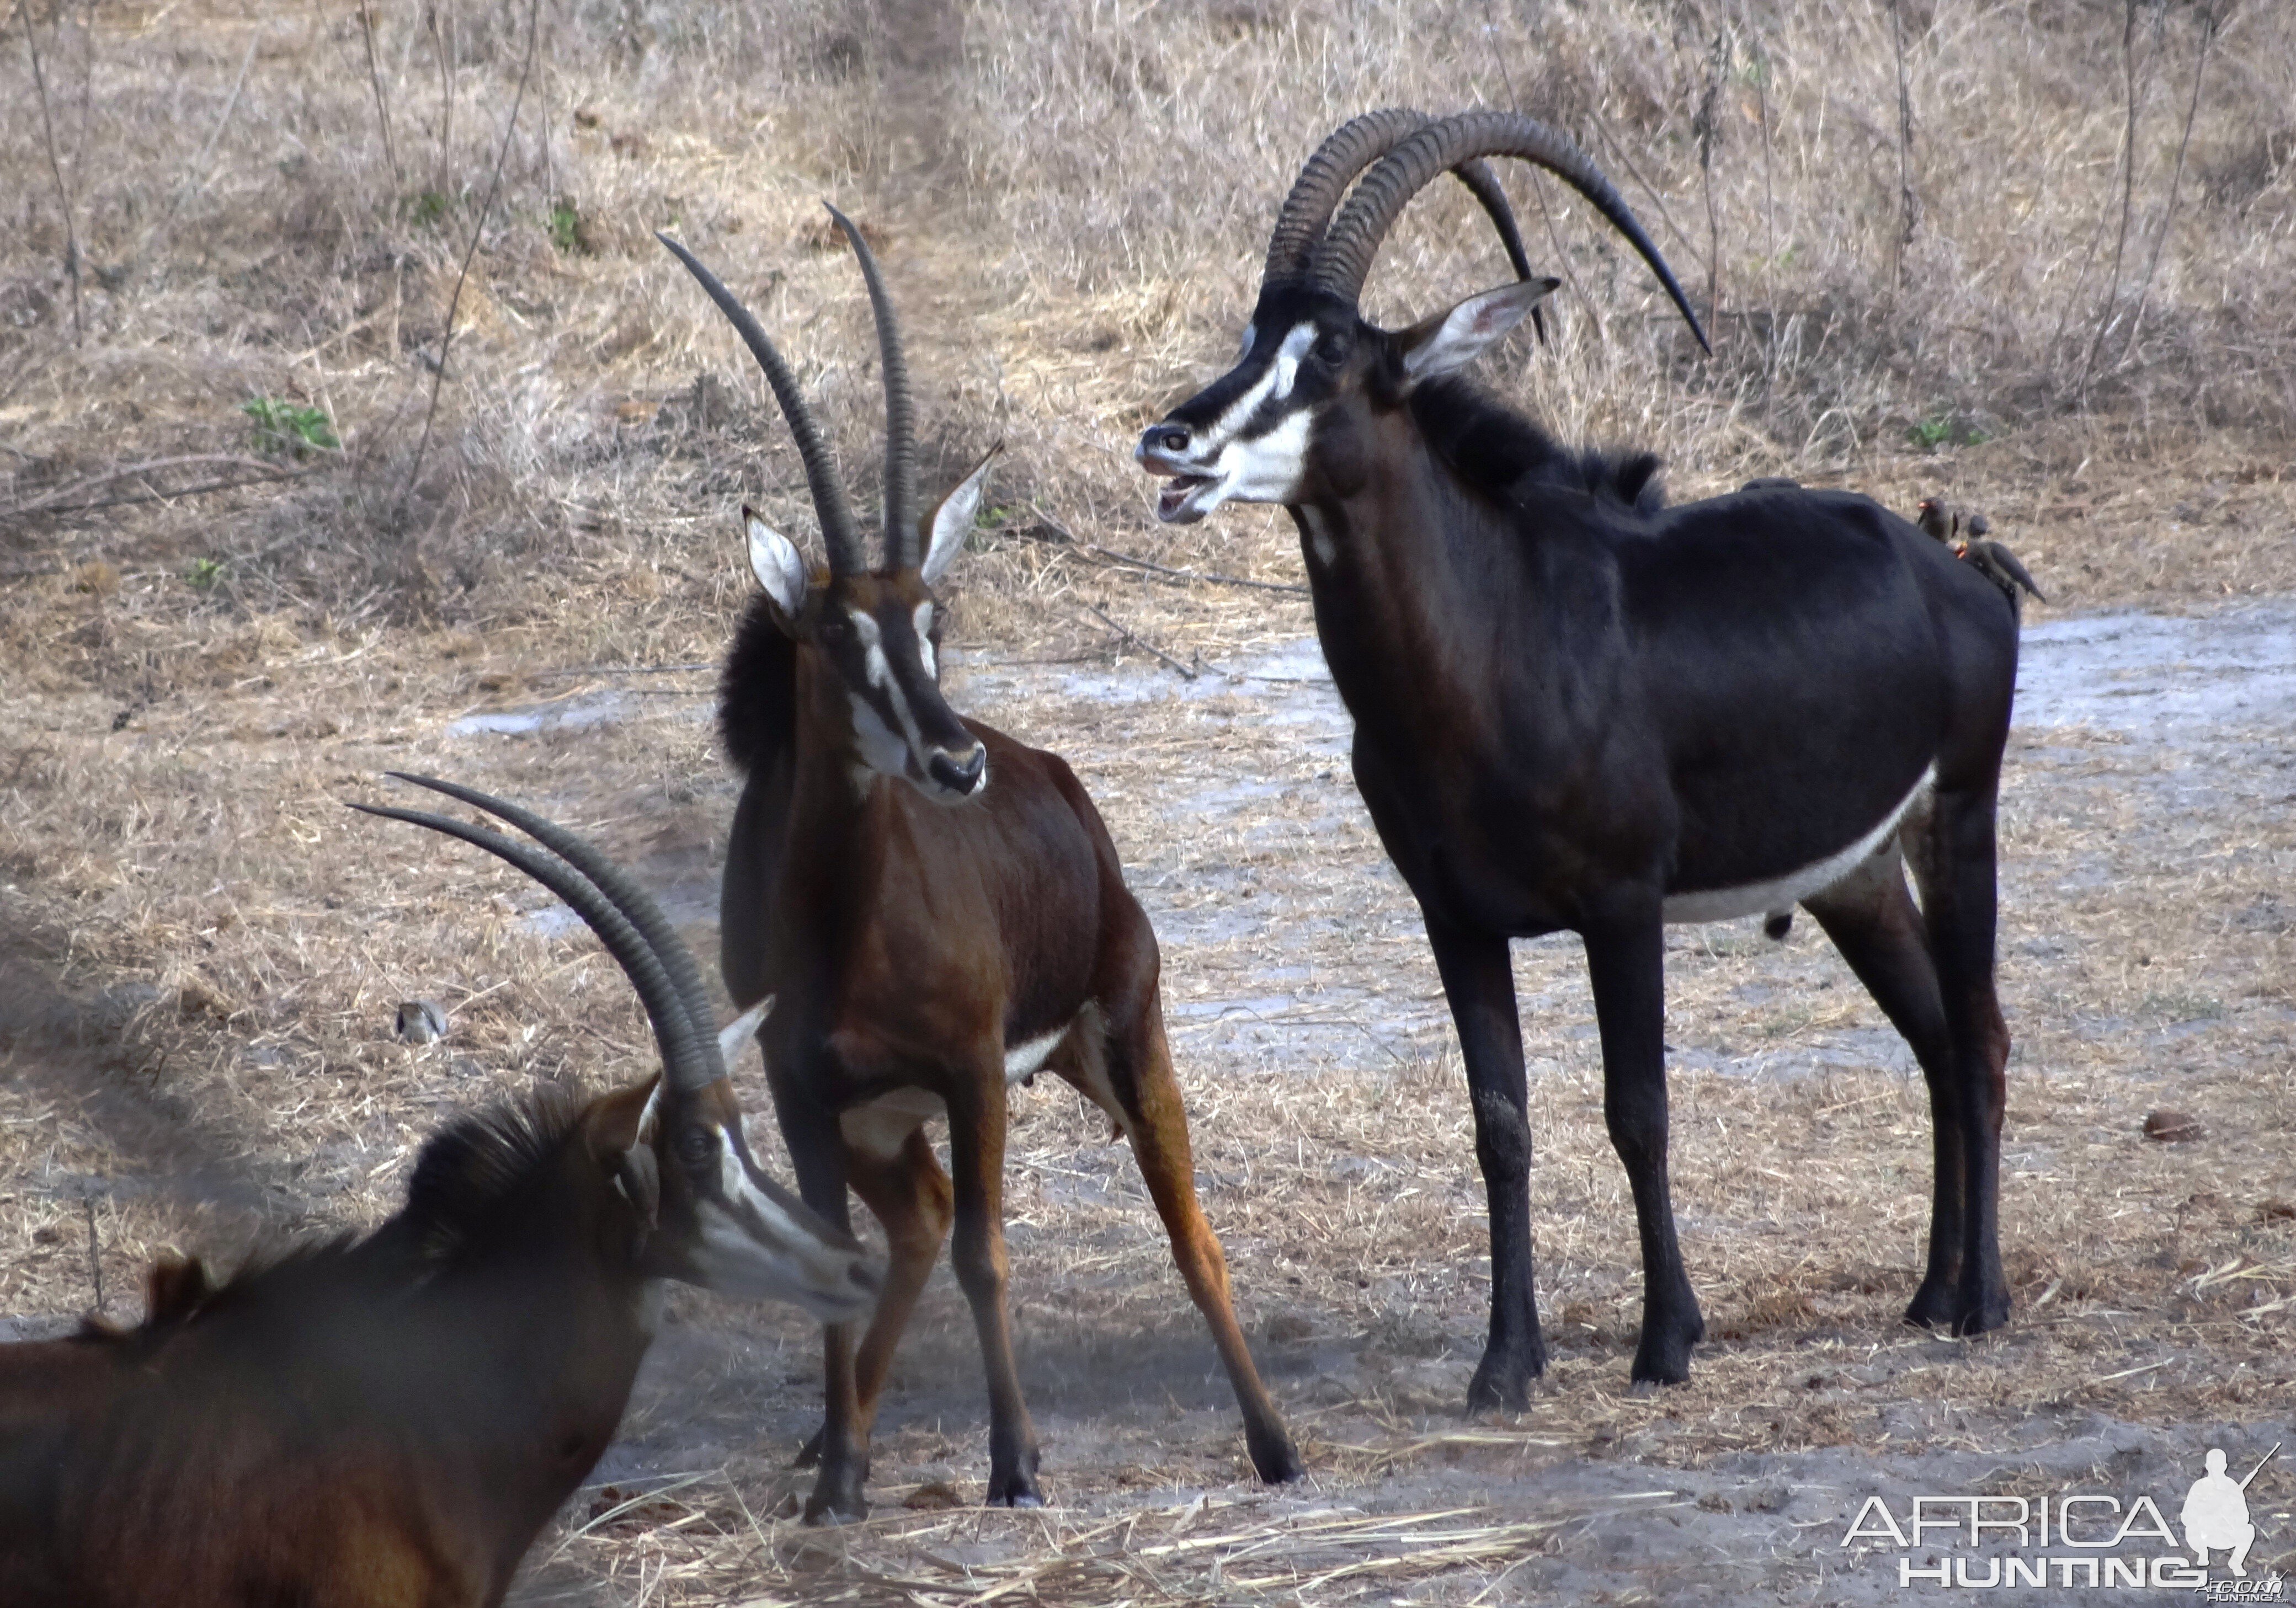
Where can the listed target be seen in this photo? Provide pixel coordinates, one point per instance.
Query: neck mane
(463, 1203)
(1501, 453)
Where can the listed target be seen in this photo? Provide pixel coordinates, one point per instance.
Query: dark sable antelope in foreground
(1577, 709)
(389, 1421)
(938, 913)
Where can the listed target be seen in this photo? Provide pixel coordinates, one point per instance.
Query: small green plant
(203, 574)
(1933, 432)
(430, 207)
(290, 427)
(565, 226)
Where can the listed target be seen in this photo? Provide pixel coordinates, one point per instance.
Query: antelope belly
(1783, 893)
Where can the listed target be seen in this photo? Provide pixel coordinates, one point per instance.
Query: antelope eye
(697, 1148)
(1332, 348)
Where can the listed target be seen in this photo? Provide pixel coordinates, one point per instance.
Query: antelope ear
(1451, 341)
(777, 564)
(739, 1030)
(948, 525)
(612, 1128)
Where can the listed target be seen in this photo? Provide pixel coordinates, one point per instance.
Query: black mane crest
(462, 1180)
(756, 695)
(467, 1172)
(1501, 453)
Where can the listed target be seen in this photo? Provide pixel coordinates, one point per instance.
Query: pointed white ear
(1457, 337)
(952, 521)
(778, 566)
(742, 1028)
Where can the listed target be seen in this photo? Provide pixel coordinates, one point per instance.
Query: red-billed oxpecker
(1578, 709)
(938, 913)
(387, 1422)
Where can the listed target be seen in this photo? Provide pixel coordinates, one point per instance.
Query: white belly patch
(1783, 893)
(881, 1126)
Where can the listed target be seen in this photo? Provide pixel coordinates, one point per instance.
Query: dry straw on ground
(200, 954)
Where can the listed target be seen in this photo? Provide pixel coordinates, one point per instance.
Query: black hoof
(1015, 1487)
(1274, 1458)
(1932, 1306)
(1663, 1357)
(1982, 1314)
(836, 1501)
(1021, 1490)
(1502, 1380)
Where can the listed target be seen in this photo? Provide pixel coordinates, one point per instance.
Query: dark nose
(1163, 446)
(959, 775)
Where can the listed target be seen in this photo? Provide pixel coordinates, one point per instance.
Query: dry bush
(1072, 200)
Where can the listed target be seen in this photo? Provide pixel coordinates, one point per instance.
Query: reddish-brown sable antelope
(387, 1422)
(1580, 709)
(938, 913)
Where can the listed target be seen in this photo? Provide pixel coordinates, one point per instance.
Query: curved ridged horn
(900, 427)
(689, 1056)
(620, 887)
(1345, 256)
(1354, 146)
(829, 503)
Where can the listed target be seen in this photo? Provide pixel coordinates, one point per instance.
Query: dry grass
(199, 952)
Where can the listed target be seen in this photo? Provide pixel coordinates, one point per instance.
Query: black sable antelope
(1578, 709)
(938, 913)
(387, 1422)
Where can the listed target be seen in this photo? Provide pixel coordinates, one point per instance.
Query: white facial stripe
(1024, 1059)
(881, 749)
(1268, 468)
(749, 1247)
(651, 1115)
(1782, 893)
(1250, 335)
(1281, 372)
(873, 645)
(924, 641)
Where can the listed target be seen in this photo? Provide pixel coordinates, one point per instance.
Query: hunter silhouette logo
(2216, 1513)
(2099, 1541)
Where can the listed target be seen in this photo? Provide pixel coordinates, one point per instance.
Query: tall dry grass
(250, 203)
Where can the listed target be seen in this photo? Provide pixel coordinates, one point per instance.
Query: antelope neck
(1390, 590)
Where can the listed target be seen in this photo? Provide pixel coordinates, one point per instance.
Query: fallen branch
(201, 490)
(1140, 642)
(541, 676)
(1068, 538)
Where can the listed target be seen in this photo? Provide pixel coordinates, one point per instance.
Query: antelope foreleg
(976, 1143)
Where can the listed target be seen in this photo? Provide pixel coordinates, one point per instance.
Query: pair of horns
(1403, 151)
(626, 918)
(838, 534)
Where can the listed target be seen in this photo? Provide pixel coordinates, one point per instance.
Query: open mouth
(1181, 501)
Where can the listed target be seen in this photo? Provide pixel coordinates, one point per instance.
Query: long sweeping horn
(901, 418)
(1354, 146)
(689, 1056)
(1345, 256)
(829, 503)
(620, 887)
